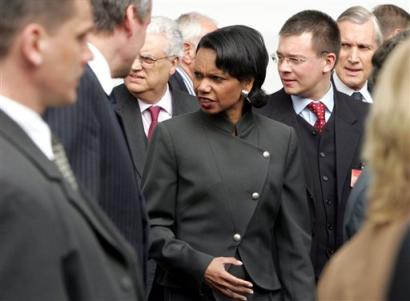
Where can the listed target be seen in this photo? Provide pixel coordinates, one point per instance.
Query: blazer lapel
(130, 115)
(347, 139)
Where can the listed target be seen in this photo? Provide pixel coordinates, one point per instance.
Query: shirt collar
(31, 123)
(300, 103)
(102, 71)
(165, 103)
(187, 80)
(341, 87)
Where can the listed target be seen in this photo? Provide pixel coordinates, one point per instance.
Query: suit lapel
(282, 111)
(347, 139)
(182, 102)
(129, 113)
(16, 136)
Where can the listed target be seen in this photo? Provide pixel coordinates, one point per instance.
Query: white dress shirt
(166, 110)
(341, 87)
(31, 123)
(300, 106)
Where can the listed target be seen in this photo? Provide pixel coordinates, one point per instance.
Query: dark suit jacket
(97, 151)
(356, 205)
(128, 110)
(349, 122)
(177, 83)
(211, 194)
(55, 245)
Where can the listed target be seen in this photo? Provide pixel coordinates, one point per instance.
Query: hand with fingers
(225, 283)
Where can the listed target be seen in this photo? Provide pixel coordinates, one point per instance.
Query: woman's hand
(225, 283)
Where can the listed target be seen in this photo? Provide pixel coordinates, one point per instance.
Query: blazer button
(266, 154)
(236, 237)
(126, 284)
(255, 196)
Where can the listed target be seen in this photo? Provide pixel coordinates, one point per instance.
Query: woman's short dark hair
(241, 52)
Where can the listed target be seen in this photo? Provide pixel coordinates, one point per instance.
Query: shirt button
(325, 178)
(266, 154)
(236, 237)
(322, 154)
(255, 196)
(126, 284)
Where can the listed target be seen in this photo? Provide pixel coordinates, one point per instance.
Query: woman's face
(216, 90)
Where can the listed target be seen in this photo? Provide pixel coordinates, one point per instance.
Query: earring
(245, 95)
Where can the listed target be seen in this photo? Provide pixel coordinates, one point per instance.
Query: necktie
(61, 161)
(154, 111)
(319, 110)
(357, 96)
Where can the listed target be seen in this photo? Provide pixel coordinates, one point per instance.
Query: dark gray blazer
(211, 194)
(54, 245)
(128, 110)
(98, 154)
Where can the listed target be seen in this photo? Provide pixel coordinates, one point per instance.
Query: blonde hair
(387, 145)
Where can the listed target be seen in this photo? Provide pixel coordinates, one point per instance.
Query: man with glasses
(329, 124)
(146, 98)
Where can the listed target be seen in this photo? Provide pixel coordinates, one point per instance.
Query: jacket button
(325, 178)
(255, 196)
(322, 154)
(266, 154)
(236, 237)
(126, 284)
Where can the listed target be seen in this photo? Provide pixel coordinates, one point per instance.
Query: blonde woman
(361, 270)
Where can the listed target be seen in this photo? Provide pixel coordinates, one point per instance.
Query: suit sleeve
(293, 231)
(160, 188)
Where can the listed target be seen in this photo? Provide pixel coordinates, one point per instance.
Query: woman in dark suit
(225, 188)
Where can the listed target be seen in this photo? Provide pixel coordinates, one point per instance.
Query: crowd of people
(187, 182)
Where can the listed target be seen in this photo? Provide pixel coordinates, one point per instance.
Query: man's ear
(33, 44)
(189, 53)
(330, 62)
(129, 21)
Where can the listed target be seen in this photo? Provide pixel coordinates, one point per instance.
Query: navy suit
(348, 120)
(98, 154)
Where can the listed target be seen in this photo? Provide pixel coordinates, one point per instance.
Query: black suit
(55, 245)
(97, 151)
(128, 110)
(349, 117)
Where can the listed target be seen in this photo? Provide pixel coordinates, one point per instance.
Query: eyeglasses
(148, 62)
(291, 60)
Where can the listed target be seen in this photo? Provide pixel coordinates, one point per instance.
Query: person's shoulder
(359, 107)
(270, 124)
